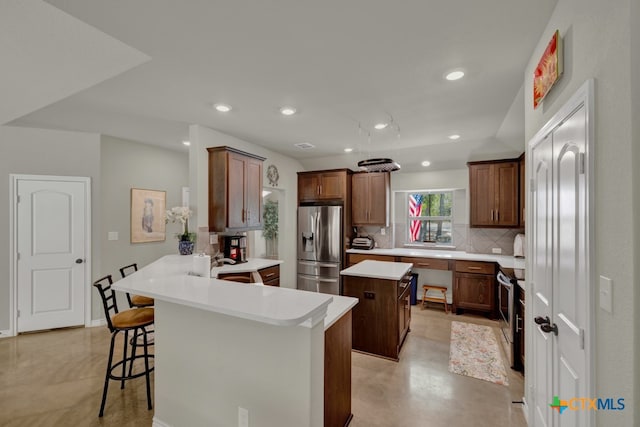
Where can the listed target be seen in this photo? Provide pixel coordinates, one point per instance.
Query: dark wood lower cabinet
(337, 373)
(270, 275)
(474, 287)
(380, 320)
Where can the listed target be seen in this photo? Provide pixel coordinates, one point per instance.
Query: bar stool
(134, 320)
(135, 300)
(435, 298)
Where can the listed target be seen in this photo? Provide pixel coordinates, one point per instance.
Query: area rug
(475, 353)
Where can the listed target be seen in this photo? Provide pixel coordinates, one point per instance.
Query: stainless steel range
(507, 281)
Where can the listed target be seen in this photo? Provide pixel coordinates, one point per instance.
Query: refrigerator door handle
(318, 264)
(317, 230)
(317, 279)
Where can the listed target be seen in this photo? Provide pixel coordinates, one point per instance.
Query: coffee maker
(235, 248)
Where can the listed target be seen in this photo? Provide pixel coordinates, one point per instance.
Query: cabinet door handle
(474, 268)
(492, 215)
(424, 264)
(269, 275)
(497, 216)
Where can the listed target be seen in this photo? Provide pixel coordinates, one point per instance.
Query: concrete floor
(55, 379)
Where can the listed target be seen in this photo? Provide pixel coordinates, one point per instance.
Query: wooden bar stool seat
(435, 297)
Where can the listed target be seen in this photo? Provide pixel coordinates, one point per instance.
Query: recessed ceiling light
(348, 150)
(380, 126)
(454, 75)
(223, 108)
(426, 163)
(187, 143)
(287, 111)
(454, 136)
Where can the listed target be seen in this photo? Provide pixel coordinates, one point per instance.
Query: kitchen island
(382, 318)
(223, 347)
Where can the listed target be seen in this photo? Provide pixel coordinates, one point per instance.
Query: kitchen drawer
(222, 276)
(270, 273)
(356, 258)
(431, 263)
(272, 282)
(476, 267)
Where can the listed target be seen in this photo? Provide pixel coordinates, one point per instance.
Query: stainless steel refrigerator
(320, 248)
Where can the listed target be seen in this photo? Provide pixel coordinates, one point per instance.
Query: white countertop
(252, 264)
(378, 269)
(338, 308)
(167, 279)
(503, 260)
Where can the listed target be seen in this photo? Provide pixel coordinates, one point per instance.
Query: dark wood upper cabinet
(235, 190)
(523, 194)
(326, 185)
(370, 198)
(494, 193)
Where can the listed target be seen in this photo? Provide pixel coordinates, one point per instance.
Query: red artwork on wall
(549, 69)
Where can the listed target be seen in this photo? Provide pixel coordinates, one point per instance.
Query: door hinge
(18, 313)
(581, 339)
(532, 185)
(18, 256)
(18, 198)
(581, 165)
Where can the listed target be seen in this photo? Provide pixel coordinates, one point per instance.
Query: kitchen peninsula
(221, 347)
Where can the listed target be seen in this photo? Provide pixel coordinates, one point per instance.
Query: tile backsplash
(483, 240)
(465, 238)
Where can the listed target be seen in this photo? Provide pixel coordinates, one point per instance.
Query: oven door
(505, 306)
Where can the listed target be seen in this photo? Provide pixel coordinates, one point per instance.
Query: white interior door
(570, 272)
(560, 276)
(540, 276)
(51, 241)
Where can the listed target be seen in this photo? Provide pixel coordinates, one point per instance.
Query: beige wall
(635, 144)
(45, 152)
(114, 166)
(125, 165)
(202, 137)
(598, 45)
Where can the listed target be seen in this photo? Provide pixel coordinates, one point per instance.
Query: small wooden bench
(435, 298)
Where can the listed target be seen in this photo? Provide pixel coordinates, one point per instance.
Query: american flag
(415, 208)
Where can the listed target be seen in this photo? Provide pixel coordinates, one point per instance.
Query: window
(430, 217)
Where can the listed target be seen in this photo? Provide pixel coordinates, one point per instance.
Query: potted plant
(270, 227)
(181, 214)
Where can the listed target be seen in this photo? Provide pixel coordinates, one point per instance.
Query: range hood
(378, 165)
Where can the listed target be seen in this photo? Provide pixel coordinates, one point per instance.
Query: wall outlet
(213, 238)
(383, 231)
(496, 250)
(112, 235)
(243, 417)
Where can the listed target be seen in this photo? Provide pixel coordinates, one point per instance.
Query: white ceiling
(342, 64)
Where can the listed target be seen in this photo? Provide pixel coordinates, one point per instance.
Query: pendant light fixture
(382, 164)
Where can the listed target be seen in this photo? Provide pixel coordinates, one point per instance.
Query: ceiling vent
(304, 145)
(378, 165)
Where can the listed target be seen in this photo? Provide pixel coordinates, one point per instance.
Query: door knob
(550, 328)
(542, 320)
(79, 261)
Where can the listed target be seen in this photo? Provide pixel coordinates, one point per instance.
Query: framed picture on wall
(147, 215)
